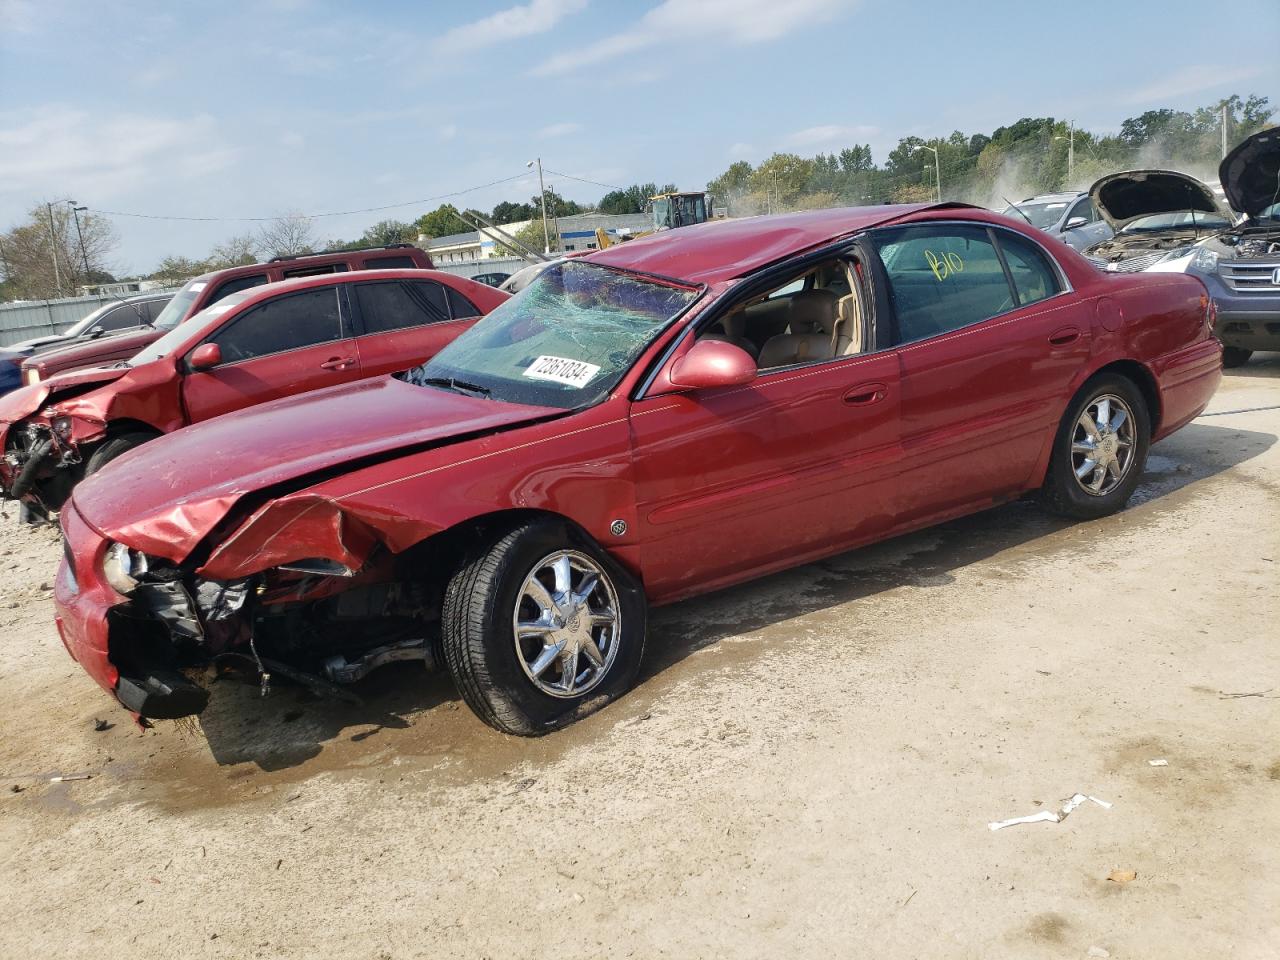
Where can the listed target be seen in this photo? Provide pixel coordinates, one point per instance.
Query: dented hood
(1250, 174)
(166, 495)
(25, 401)
(1124, 197)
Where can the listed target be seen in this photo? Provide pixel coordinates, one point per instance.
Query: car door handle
(338, 363)
(1060, 338)
(866, 393)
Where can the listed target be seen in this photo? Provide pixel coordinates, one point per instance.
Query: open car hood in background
(1250, 174)
(1124, 197)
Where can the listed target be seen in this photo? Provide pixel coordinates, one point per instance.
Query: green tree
(508, 212)
(386, 232)
(443, 221)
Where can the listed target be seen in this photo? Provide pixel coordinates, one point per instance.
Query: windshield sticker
(573, 373)
(945, 265)
(197, 287)
(1054, 206)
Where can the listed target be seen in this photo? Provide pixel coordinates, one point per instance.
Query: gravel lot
(807, 768)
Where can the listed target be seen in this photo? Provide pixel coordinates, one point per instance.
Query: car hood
(34, 343)
(27, 400)
(167, 495)
(86, 353)
(1122, 198)
(1250, 174)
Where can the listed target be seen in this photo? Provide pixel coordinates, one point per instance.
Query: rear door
(990, 339)
(287, 345)
(405, 322)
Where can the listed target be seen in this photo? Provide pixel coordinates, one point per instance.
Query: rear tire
(1080, 482)
(1235, 356)
(112, 448)
(553, 675)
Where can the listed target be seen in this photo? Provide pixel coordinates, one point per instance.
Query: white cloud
(58, 150)
(830, 134)
(448, 131)
(525, 20)
(740, 151)
(727, 21)
(1194, 78)
(559, 130)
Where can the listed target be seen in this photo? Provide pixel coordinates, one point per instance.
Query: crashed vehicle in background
(110, 319)
(646, 423)
(253, 346)
(10, 369)
(1241, 264)
(1070, 217)
(206, 290)
(1156, 216)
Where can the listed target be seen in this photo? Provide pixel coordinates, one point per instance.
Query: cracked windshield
(565, 341)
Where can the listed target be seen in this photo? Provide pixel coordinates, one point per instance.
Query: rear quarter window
(390, 263)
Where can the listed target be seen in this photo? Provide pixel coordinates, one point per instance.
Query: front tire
(1235, 356)
(1100, 450)
(109, 449)
(540, 628)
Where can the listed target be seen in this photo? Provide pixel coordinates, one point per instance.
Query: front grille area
(1251, 277)
(1134, 264)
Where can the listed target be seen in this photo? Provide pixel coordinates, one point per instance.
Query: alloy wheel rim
(1103, 445)
(566, 624)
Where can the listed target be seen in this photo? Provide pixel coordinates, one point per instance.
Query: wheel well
(118, 428)
(1145, 382)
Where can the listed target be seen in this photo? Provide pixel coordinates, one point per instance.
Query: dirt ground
(808, 767)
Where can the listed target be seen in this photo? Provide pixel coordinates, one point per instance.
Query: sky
(233, 109)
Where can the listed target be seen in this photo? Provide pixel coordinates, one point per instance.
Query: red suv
(250, 347)
(212, 287)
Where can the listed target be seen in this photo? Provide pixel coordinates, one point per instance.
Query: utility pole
(777, 196)
(542, 192)
(937, 167)
(1224, 128)
(75, 212)
(1071, 146)
(53, 250)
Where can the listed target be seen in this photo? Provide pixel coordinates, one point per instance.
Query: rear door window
(392, 305)
(235, 285)
(389, 263)
(460, 306)
(1033, 276)
(122, 317)
(315, 271)
(286, 323)
(941, 277)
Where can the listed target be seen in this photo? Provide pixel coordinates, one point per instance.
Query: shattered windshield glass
(564, 341)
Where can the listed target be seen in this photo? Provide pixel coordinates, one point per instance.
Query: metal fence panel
(472, 268)
(36, 318)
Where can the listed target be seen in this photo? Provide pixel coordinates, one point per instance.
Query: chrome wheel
(1103, 445)
(566, 624)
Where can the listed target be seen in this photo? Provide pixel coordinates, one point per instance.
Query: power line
(595, 183)
(310, 216)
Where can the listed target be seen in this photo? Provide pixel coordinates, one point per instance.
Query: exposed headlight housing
(61, 427)
(1177, 254)
(123, 567)
(1206, 260)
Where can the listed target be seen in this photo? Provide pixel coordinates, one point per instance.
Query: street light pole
(542, 192)
(937, 167)
(53, 250)
(75, 212)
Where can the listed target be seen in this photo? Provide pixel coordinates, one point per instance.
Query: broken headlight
(1206, 260)
(61, 427)
(123, 567)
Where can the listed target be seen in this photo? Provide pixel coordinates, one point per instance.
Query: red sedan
(649, 422)
(259, 344)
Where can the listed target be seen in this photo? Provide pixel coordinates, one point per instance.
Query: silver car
(1070, 217)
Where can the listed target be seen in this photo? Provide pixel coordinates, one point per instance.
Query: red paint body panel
(714, 486)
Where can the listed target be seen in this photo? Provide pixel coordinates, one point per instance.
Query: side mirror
(713, 363)
(205, 357)
(1074, 222)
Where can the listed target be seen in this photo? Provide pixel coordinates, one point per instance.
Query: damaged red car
(650, 422)
(255, 345)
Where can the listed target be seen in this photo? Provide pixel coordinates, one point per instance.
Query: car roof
(722, 250)
(304, 260)
(1051, 197)
(264, 290)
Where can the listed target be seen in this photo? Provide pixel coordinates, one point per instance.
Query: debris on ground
(99, 725)
(1122, 876)
(1157, 763)
(1098, 952)
(1050, 816)
(71, 776)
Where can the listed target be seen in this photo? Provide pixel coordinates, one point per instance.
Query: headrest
(813, 311)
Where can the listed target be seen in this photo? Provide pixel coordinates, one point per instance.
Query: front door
(735, 481)
(285, 346)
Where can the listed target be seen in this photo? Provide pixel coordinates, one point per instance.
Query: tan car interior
(820, 321)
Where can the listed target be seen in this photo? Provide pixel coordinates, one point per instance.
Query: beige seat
(735, 332)
(813, 323)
